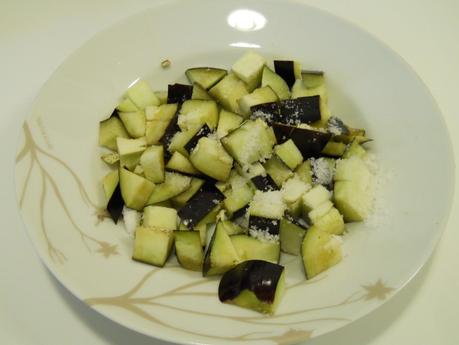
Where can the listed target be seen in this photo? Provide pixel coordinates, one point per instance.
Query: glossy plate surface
(58, 170)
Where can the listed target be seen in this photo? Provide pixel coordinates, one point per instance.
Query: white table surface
(36, 36)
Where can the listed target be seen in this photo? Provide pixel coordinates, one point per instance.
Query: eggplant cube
(189, 250)
(152, 246)
(152, 162)
(110, 130)
(289, 154)
(135, 189)
(160, 217)
(141, 94)
(254, 284)
(268, 205)
(249, 69)
(210, 158)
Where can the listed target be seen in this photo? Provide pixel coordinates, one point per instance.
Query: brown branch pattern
(34, 152)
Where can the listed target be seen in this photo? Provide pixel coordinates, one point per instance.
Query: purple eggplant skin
(300, 110)
(260, 277)
(200, 205)
(115, 204)
(310, 142)
(240, 213)
(264, 183)
(203, 132)
(269, 112)
(285, 69)
(269, 225)
(179, 93)
(289, 111)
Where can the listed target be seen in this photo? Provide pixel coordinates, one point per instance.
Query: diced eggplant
(206, 224)
(109, 183)
(318, 212)
(254, 284)
(267, 205)
(205, 76)
(160, 217)
(178, 93)
(249, 68)
(152, 246)
(289, 111)
(162, 96)
(249, 248)
(211, 159)
(227, 121)
(195, 113)
(173, 185)
(231, 228)
(310, 142)
(130, 151)
(203, 132)
(336, 126)
(188, 250)
(238, 198)
(288, 70)
(268, 112)
(115, 204)
(110, 130)
(354, 189)
(220, 255)
(289, 154)
(228, 91)
(241, 213)
(251, 142)
(152, 162)
(258, 96)
(331, 222)
(181, 164)
(264, 183)
(134, 122)
(141, 94)
(200, 93)
(334, 149)
(161, 123)
(135, 189)
(320, 250)
(304, 172)
(170, 132)
(323, 170)
(180, 139)
(181, 199)
(262, 224)
(275, 81)
(200, 205)
(315, 197)
(277, 170)
(111, 158)
(354, 149)
(126, 105)
(300, 110)
(293, 189)
(291, 236)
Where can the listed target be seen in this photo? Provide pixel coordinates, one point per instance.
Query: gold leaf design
(377, 290)
(49, 185)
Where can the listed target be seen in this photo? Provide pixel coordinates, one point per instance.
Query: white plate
(58, 171)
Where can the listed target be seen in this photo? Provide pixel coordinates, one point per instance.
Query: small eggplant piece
(240, 213)
(310, 142)
(300, 110)
(170, 131)
(268, 225)
(336, 126)
(115, 204)
(203, 132)
(286, 69)
(254, 284)
(220, 255)
(179, 93)
(200, 205)
(264, 183)
(269, 112)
